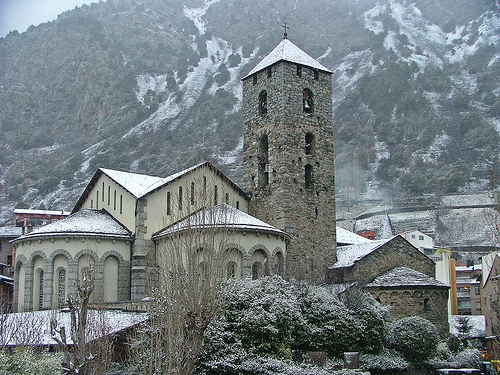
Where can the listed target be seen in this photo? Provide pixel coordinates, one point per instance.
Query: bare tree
(191, 259)
(88, 350)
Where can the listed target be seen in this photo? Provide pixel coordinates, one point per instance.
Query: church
(281, 222)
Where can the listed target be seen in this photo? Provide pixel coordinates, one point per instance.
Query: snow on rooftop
(220, 216)
(348, 255)
(402, 276)
(40, 212)
(287, 51)
(10, 232)
(86, 221)
(476, 323)
(140, 184)
(346, 237)
(34, 327)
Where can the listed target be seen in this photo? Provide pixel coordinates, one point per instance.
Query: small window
(231, 270)
(421, 238)
(192, 193)
(114, 200)
(204, 189)
(257, 270)
(307, 101)
(316, 74)
(227, 198)
(308, 176)
(269, 72)
(109, 195)
(97, 200)
(168, 204)
(254, 79)
(180, 198)
(91, 203)
(309, 144)
(121, 204)
(427, 305)
(103, 191)
(216, 197)
(299, 70)
(263, 102)
(61, 292)
(237, 205)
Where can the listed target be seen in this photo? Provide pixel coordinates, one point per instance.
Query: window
(316, 74)
(309, 144)
(280, 264)
(231, 270)
(237, 205)
(61, 288)
(97, 200)
(216, 197)
(168, 203)
(299, 70)
(263, 102)
(263, 160)
(180, 198)
(307, 101)
(192, 193)
(412, 236)
(91, 203)
(476, 290)
(40, 286)
(103, 191)
(227, 198)
(254, 79)
(421, 238)
(269, 72)
(109, 195)
(257, 270)
(114, 200)
(308, 176)
(121, 203)
(427, 305)
(204, 189)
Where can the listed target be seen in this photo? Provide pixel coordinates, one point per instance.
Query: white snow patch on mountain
(196, 14)
(233, 157)
(146, 82)
(436, 148)
(370, 16)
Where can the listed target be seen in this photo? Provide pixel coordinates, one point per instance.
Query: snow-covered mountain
(154, 86)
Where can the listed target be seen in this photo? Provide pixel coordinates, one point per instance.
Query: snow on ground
(196, 15)
(437, 147)
(146, 82)
(233, 157)
(371, 23)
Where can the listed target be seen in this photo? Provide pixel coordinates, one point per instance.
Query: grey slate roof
(85, 222)
(404, 277)
(10, 232)
(287, 51)
(348, 255)
(220, 216)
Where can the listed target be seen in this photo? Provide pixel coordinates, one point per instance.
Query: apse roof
(85, 222)
(404, 277)
(287, 51)
(348, 255)
(220, 216)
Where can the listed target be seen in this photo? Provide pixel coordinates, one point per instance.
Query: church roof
(348, 255)
(220, 216)
(404, 277)
(346, 237)
(287, 51)
(10, 232)
(87, 222)
(140, 185)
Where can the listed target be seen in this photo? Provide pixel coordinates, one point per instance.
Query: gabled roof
(405, 277)
(87, 222)
(349, 238)
(220, 216)
(10, 232)
(139, 185)
(287, 51)
(348, 255)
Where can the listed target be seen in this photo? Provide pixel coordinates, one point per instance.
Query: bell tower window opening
(316, 74)
(309, 144)
(308, 176)
(269, 72)
(263, 159)
(307, 101)
(299, 70)
(254, 79)
(263, 102)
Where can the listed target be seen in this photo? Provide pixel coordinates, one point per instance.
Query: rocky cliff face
(154, 86)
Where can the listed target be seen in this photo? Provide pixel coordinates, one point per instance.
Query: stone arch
(233, 261)
(111, 268)
(307, 101)
(263, 102)
(37, 266)
(58, 252)
(20, 282)
(263, 160)
(38, 253)
(113, 253)
(278, 261)
(309, 143)
(259, 261)
(88, 252)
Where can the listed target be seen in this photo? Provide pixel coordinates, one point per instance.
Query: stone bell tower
(288, 159)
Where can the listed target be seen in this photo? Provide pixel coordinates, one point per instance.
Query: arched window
(307, 101)
(263, 102)
(263, 159)
(61, 288)
(169, 204)
(427, 304)
(299, 70)
(309, 144)
(38, 283)
(231, 270)
(308, 176)
(257, 270)
(216, 195)
(40, 289)
(227, 198)
(97, 200)
(280, 264)
(114, 200)
(109, 195)
(121, 203)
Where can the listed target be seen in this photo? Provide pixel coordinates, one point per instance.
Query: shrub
(26, 362)
(414, 337)
(387, 360)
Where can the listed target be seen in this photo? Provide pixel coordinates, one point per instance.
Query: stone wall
(307, 213)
